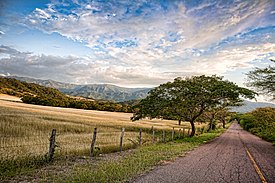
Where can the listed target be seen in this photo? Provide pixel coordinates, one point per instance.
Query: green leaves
(263, 80)
(186, 99)
(260, 122)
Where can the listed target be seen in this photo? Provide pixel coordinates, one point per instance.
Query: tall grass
(25, 130)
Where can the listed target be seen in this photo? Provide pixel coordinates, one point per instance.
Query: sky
(135, 43)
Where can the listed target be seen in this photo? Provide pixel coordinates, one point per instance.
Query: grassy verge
(23, 165)
(136, 163)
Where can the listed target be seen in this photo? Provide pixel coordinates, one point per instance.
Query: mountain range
(118, 94)
(250, 106)
(94, 91)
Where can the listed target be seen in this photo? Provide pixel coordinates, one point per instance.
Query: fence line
(97, 142)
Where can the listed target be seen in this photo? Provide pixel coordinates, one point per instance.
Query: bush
(260, 122)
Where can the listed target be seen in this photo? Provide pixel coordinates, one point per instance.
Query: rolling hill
(94, 91)
(19, 88)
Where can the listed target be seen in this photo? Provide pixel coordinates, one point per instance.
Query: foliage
(263, 80)
(260, 122)
(77, 103)
(187, 99)
(216, 115)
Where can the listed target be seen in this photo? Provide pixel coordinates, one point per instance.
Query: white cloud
(179, 41)
(233, 58)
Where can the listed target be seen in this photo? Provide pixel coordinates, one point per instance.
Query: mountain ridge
(94, 91)
(250, 106)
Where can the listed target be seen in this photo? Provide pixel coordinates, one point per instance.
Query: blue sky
(137, 43)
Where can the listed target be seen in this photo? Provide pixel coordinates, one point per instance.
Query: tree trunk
(210, 125)
(179, 121)
(223, 123)
(193, 128)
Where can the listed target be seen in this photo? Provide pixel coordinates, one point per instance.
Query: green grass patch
(22, 165)
(133, 164)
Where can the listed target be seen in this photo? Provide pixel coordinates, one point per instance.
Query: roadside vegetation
(260, 122)
(136, 163)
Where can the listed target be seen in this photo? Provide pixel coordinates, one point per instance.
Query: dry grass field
(25, 129)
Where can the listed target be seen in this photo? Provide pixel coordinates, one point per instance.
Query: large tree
(187, 99)
(263, 80)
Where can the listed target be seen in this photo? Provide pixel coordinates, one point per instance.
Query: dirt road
(235, 156)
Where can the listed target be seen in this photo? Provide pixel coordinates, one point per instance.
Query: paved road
(224, 159)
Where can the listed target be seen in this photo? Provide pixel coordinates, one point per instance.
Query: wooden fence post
(183, 132)
(93, 142)
(121, 139)
(153, 134)
(173, 132)
(163, 135)
(52, 145)
(188, 131)
(179, 133)
(140, 137)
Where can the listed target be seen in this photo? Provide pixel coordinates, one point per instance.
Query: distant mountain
(250, 106)
(47, 83)
(94, 91)
(107, 92)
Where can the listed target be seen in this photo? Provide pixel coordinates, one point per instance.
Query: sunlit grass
(25, 129)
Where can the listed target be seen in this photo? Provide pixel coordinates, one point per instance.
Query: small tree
(210, 116)
(188, 99)
(223, 115)
(263, 80)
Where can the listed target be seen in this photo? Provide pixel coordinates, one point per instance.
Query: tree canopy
(187, 99)
(263, 80)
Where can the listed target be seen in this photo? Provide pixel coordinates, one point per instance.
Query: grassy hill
(94, 91)
(36, 94)
(18, 88)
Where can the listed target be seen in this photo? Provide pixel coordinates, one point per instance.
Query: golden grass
(25, 128)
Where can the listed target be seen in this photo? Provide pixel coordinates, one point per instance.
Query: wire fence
(81, 144)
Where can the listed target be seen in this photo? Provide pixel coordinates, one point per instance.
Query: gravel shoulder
(221, 160)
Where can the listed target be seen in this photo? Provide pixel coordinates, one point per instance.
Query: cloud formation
(146, 43)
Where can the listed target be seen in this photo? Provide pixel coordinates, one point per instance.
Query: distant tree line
(77, 103)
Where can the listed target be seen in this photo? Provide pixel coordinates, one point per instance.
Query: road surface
(235, 156)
